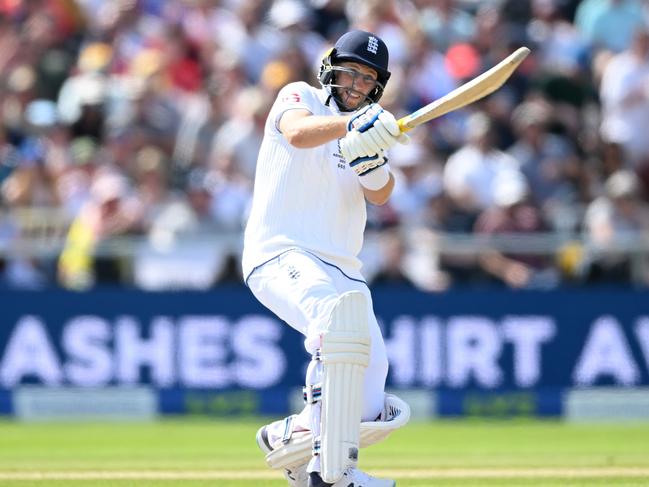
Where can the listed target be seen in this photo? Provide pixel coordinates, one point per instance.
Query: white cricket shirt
(307, 199)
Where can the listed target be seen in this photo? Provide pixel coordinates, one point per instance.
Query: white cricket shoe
(296, 477)
(351, 478)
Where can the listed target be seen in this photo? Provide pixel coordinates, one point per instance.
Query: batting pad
(345, 354)
(297, 451)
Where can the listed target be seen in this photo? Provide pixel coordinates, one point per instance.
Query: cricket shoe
(351, 478)
(296, 477)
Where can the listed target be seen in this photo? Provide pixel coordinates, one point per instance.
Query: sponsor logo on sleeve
(292, 98)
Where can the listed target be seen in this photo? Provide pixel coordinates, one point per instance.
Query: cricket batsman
(322, 157)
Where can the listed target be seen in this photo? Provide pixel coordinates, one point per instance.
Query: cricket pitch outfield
(223, 453)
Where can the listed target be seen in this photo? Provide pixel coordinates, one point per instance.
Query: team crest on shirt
(293, 273)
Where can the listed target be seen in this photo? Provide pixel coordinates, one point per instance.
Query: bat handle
(403, 124)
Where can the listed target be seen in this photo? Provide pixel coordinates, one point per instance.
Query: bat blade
(472, 91)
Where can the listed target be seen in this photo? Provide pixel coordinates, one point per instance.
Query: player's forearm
(312, 131)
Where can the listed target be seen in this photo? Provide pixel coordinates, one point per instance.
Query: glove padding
(366, 164)
(369, 132)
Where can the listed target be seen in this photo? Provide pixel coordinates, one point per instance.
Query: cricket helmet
(360, 47)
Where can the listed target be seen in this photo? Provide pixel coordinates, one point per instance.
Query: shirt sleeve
(293, 96)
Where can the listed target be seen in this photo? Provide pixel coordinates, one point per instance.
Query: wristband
(376, 178)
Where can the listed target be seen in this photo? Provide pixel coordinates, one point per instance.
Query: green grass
(440, 454)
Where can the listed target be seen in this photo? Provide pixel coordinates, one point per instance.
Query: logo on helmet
(373, 44)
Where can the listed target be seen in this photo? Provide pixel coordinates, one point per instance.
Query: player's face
(356, 81)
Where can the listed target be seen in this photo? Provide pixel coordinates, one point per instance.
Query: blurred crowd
(140, 121)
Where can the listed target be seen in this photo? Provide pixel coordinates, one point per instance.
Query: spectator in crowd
(470, 173)
(549, 163)
(241, 135)
(609, 24)
(29, 183)
(190, 213)
(407, 258)
(111, 211)
(468, 178)
(392, 268)
(93, 87)
(612, 158)
(513, 215)
(204, 115)
(616, 224)
(9, 157)
(427, 63)
(559, 46)
(18, 270)
(151, 175)
(74, 179)
(88, 84)
(624, 92)
(182, 249)
(391, 20)
(445, 23)
(329, 18)
(418, 177)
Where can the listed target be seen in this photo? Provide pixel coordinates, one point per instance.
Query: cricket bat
(477, 88)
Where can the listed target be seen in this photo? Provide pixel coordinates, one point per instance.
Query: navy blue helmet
(361, 47)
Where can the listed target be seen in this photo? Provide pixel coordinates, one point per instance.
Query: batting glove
(369, 131)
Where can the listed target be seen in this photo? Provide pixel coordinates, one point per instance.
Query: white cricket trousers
(301, 289)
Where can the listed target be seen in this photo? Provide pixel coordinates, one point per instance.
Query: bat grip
(403, 124)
